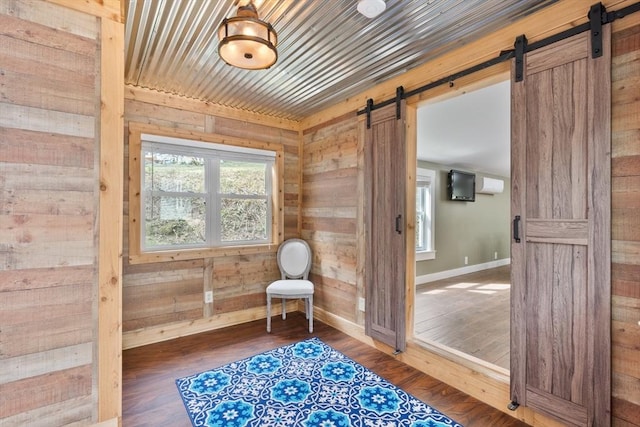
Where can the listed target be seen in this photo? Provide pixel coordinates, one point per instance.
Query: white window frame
(427, 178)
(213, 154)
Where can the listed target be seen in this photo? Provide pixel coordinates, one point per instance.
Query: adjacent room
(223, 213)
(462, 232)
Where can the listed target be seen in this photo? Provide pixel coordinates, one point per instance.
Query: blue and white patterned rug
(305, 384)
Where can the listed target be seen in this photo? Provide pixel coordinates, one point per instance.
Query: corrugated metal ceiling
(327, 51)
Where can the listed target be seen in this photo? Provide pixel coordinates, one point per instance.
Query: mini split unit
(486, 185)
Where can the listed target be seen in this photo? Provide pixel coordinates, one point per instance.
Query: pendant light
(246, 41)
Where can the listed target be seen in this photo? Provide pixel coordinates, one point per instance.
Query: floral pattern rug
(306, 384)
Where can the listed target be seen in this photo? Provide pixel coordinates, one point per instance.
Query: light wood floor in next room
(150, 397)
(468, 313)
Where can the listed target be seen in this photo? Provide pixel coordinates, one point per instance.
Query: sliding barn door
(560, 319)
(384, 183)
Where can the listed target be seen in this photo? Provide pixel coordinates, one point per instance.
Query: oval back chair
(294, 261)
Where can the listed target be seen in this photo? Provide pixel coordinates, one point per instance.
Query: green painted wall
(473, 229)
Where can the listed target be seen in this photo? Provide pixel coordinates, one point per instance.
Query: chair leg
(310, 313)
(268, 313)
(284, 309)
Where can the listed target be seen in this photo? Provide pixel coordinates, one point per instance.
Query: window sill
(426, 255)
(200, 253)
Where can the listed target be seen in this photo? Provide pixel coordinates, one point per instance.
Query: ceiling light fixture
(246, 41)
(371, 8)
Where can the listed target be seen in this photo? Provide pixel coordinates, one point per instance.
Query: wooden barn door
(384, 183)
(560, 311)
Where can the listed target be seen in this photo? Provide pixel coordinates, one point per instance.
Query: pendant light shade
(246, 41)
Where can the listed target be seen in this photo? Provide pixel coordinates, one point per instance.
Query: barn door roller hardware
(400, 95)
(598, 16)
(368, 111)
(399, 98)
(521, 48)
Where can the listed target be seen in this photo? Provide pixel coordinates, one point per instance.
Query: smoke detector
(371, 8)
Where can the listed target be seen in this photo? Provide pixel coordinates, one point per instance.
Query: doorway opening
(462, 292)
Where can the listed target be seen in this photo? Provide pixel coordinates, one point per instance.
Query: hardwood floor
(469, 313)
(150, 397)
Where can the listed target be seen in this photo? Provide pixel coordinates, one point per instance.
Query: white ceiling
(469, 132)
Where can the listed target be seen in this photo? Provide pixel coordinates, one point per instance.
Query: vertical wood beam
(411, 135)
(109, 352)
(279, 202)
(300, 180)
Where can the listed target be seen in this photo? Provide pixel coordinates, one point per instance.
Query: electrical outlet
(208, 297)
(495, 255)
(466, 260)
(361, 304)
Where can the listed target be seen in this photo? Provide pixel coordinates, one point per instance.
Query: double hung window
(203, 195)
(196, 195)
(425, 209)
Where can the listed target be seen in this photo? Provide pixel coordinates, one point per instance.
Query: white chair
(294, 261)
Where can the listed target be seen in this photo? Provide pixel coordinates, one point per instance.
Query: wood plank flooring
(150, 397)
(469, 313)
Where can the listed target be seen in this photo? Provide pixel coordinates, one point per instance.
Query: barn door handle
(399, 224)
(516, 229)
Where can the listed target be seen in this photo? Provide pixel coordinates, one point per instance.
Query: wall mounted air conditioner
(486, 185)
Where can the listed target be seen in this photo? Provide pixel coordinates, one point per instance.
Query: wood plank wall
(49, 213)
(48, 201)
(171, 293)
(625, 270)
(330, 213)
(328, 176)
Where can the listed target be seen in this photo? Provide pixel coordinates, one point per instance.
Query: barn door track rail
(598, 16)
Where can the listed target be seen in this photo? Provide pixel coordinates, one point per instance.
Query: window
(196, 196)
(425, 208)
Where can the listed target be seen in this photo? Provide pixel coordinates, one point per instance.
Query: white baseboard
(426, 278)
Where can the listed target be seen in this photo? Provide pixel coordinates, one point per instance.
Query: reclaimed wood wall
(49, 149)
(158, 295)
(625, 269)
(625, 201)
(331, 209)
(51, 296)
